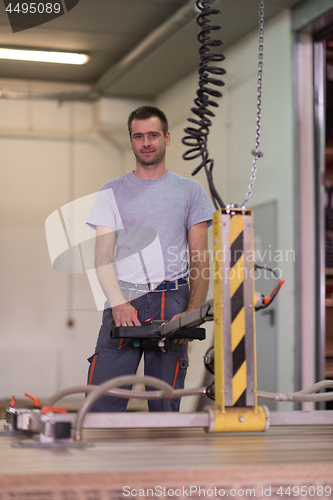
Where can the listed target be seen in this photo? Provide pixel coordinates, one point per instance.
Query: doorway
(314, 201)
(328, 208)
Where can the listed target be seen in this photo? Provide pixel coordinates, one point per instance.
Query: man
(150, 216)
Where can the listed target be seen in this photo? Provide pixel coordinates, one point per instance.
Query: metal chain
(256, 152)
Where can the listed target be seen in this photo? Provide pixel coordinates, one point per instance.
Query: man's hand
(180, 341)
(125, 315)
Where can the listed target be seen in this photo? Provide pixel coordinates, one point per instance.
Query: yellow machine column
(236, 406)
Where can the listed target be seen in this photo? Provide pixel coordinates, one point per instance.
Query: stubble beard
(146, 162)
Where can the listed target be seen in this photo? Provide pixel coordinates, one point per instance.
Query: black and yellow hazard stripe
(239, 376)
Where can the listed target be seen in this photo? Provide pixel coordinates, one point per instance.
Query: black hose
(196, 138)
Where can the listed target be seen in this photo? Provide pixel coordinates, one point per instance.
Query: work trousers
(117, 357)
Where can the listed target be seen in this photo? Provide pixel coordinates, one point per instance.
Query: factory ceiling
(137, 48)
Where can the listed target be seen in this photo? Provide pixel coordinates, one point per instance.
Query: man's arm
(199, 268)
(124, 314)
(199, 265)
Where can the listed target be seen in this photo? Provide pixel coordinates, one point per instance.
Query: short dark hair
(145, 112)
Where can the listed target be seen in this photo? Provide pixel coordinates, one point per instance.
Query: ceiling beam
(151, 43)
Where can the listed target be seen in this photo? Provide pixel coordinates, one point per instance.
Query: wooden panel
(171, 459)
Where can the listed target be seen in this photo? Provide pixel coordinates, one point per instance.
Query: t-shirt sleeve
(201, 208)
(105, 210)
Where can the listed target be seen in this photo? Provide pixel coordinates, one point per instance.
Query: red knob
(35, 400)
(45, 409)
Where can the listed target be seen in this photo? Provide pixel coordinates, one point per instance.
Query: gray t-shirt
(151, 218)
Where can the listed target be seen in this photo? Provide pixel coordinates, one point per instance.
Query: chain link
(256, 152)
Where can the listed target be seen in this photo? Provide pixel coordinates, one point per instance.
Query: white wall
(43, 169)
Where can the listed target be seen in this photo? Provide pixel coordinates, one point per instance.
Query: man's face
(148, 141)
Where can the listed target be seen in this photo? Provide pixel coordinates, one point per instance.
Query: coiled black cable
(197, 138)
